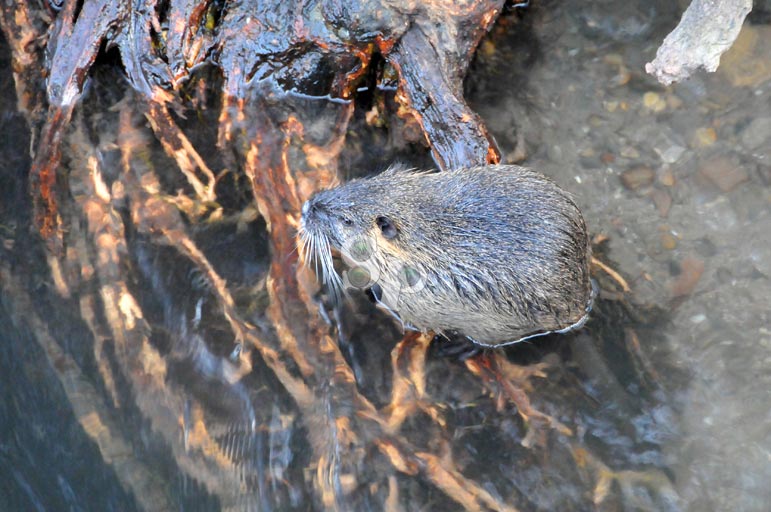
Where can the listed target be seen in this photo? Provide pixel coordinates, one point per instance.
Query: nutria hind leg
(570, 328)
(455, 345)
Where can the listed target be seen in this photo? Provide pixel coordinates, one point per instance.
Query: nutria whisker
(316, 247)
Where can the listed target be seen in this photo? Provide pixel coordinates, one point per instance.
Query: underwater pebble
(759, 254)
(667, 178)
(596, 121)
(653, 101)
(554, 152)
(757, 133)
(703, 137)
(747, 63)
(628, 24)
(723, 172)
(637, 177)
(670, 154)
(691, 270)
(674, 102)
(487, 48)
(662, 200)
(613, 59)
(668, 242)
(623, 77)
(630, 152)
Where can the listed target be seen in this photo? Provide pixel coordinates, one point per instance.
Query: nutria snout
(495, 253)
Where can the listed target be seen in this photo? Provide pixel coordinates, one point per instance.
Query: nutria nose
(313, 211)
(313, 207)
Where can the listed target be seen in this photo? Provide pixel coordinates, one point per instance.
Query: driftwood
(221, 363)
(707, 29)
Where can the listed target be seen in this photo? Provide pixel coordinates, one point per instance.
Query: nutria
(497, 253)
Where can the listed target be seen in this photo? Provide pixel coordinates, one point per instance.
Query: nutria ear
(386, 227)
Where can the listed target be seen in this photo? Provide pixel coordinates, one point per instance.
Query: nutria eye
(346, 221)
(386, 227)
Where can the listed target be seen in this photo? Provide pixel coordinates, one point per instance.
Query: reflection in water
(153, 367)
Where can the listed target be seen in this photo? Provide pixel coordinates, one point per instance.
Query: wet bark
(290, 44)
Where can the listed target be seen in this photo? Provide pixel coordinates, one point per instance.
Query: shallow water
(679, 181)
(697, 161)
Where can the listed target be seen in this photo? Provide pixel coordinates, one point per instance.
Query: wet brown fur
(495, 253)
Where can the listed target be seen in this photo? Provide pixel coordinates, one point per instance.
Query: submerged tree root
(108, 230)
(87, 404)
(629, 482)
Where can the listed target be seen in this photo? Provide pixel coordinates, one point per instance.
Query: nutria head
(368, 221)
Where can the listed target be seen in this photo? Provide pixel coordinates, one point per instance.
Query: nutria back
(495, 253)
